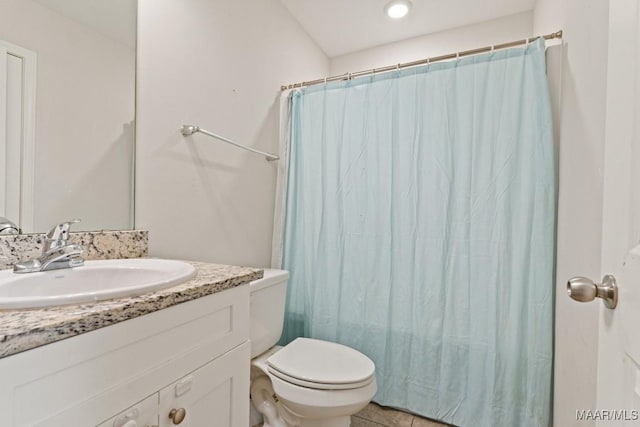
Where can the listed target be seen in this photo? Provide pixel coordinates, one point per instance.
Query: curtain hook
(457, 55)
(493, 48)
(528, 42)
(349, 76)
(325, 80)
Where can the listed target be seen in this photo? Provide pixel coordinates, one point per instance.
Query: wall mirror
(67, 111)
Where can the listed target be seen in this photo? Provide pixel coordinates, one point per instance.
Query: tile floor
(378, 416)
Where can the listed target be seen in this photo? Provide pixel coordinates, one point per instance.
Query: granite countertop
(25, 329)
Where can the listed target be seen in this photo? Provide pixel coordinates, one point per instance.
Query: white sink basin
(95, 281)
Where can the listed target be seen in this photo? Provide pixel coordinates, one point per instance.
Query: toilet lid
(321, 364)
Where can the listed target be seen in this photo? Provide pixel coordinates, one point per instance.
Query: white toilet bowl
(308, 383)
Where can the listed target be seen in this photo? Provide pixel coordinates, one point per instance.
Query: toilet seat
(310, 402)
(321, 365)
(318, 386)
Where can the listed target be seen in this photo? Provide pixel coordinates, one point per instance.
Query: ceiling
(115, 19)
(345, 26)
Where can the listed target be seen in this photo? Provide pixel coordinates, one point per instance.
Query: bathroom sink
(95, 281)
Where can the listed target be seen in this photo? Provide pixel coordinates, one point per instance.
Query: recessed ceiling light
(397, 9)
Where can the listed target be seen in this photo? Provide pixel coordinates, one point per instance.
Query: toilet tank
(268, 296)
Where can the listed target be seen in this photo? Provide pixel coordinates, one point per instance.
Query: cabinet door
(216, 394)
(142, 414)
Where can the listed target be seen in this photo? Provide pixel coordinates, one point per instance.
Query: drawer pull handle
(177, 415)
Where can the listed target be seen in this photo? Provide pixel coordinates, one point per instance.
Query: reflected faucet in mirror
(57, 253)
(8, 227)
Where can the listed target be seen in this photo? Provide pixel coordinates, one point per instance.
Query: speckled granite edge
(22, 330)
(103, 244)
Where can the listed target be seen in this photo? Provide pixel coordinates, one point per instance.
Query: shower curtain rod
(349, 76)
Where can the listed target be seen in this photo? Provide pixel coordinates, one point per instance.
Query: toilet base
(263, 401)
(256, 419)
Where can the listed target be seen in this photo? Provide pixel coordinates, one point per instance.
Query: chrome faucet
(57, 253)
(8, 227)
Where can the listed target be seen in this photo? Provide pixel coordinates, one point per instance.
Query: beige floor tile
(385, 416)
(423, 422)
(361, 422)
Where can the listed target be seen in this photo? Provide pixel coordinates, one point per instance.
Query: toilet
(309, 382)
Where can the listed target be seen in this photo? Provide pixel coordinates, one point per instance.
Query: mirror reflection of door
(17, 129)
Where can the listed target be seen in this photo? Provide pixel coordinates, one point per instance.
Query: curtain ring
(493, 48)
(349, 76)
(457, 55)
(325, 80)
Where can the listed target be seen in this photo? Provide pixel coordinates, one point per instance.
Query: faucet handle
(58, 235)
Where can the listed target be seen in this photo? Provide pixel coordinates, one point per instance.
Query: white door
(10, 133)
(618, 395)
(17, 133)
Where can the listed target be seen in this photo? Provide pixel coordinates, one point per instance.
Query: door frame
(27, 151)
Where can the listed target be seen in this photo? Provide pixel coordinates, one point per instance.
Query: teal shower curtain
(419, 229)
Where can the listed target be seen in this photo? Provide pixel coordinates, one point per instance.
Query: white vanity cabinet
(193, 357)
(209, 396)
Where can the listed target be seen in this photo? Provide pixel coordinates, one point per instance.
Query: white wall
(581, 128)
(218, 64)
(486, 33)
(85, 103)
